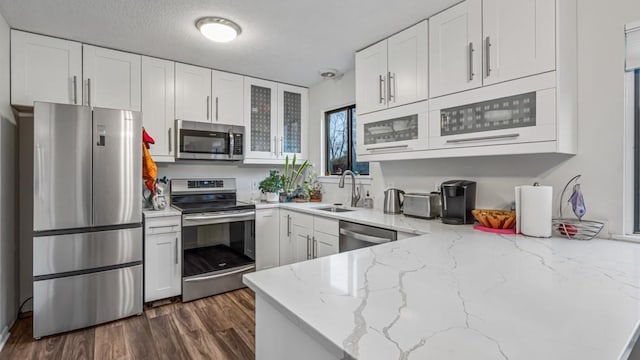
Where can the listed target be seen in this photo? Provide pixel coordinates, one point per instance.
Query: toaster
(422, 205)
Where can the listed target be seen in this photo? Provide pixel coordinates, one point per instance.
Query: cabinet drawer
(494, 117)
(303, 220)
(325, 225)
(162, 225)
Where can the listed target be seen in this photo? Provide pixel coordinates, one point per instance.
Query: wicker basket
(575, 229)
(495, 219)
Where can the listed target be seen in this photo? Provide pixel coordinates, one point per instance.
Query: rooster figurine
(149, 168)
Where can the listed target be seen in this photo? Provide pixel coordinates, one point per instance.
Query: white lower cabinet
(162, 257)
(304, 237)
(267, 238)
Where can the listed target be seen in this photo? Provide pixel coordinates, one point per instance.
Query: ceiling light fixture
(218, 29)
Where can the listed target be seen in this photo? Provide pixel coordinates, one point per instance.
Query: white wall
(8, 218)
(601, 121)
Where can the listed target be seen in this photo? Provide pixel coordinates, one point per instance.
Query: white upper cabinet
(112, 78)
(394, 71)
(260, 119)
(455, 49)
(193, 93)
(227, 97)
(408, 70)
(371, 75)
(293, 112)
(519, 38)
(158, 90)
(45, 69)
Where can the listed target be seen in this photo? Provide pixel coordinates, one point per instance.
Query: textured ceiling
(284, 40)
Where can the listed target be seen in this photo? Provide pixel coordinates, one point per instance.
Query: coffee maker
(458, 199)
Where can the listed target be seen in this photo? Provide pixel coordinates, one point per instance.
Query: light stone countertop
(373, 217)
(461, 294)
(169, 211)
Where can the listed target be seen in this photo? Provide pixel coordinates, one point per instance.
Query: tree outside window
(340, 142)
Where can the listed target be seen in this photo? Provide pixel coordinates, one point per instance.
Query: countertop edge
(325, 342)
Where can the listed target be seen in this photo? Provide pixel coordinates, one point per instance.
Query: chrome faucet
(355, 193)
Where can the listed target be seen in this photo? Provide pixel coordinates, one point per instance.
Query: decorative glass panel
(393, 130)
(260, 119)
(292, 122)
(504, 113)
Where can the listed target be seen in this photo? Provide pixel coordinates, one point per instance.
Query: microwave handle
(231, 144)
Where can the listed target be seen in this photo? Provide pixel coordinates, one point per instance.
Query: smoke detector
(330, 74)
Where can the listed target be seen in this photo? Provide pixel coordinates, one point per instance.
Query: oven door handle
(363, 237)
(218, 218)
(204, 278)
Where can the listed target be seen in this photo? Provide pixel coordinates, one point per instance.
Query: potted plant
(291, 177)
(271, 185)
(313, 186)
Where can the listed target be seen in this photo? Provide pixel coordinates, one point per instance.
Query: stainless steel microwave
(206, 141)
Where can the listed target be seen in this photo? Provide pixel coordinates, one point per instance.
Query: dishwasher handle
(363, 237)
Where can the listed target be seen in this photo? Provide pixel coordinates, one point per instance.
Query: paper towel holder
(574, 228)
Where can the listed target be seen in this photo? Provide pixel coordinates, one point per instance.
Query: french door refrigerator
(86, 215)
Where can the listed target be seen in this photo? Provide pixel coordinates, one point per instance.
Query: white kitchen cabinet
(408, 65)
(227, 98)
(267, 238)
(325, 236)
(45, 69)
(455, 49)
(388, 132)
(158, 89)
(394, 71)
(293, 114)
(371, 74)
(260, 120)
(193, 93)
(519, 38)
(287, 248)
(112, 78)
(162, 257)
(303, 235)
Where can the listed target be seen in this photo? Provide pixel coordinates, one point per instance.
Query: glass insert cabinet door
(292, 117)
(261, 118)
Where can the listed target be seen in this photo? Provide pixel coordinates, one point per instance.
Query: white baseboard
(4, 336)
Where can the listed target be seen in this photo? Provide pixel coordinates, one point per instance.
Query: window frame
(350, 110)
(636, 151)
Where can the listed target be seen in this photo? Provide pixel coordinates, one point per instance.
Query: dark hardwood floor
(219, 327)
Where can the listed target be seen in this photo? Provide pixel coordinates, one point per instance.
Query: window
(340, 142)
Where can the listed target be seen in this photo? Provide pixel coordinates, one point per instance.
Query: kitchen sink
(334, 209)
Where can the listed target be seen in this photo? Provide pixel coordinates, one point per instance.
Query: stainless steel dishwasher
(356, 236)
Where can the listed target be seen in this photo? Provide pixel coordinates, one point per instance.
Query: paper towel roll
(536, 210)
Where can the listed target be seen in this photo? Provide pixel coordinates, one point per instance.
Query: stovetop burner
(196, 207)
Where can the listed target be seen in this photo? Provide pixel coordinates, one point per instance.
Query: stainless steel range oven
(218, 236)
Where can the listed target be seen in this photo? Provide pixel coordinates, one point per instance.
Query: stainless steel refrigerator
(85, 214)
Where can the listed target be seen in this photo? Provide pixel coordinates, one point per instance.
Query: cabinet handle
(391, 86)
(288, 225)
(75, 89)
(483, 138)
(309, 247)
(487, 50)
(471, 61)
(208, 97)
(169, 140)
(88, 91)
(382, 97)
(281, 145)
(315, 248)
(216, 108)
(388, 147)
(176, 252)
(275, 146)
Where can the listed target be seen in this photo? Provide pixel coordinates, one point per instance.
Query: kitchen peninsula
(454, 294)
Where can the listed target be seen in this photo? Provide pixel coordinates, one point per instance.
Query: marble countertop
(169, 211)
(373, 217)
(461, 294)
